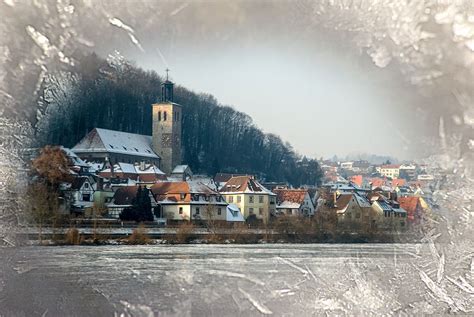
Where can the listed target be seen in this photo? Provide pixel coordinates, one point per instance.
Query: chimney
(335, 199)
(142, 165)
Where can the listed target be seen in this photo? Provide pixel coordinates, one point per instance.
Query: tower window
(159, 115)
(164, 116)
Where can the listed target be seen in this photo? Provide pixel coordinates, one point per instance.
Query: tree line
(115, 94)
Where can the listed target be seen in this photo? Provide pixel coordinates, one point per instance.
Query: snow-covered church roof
(104, 140)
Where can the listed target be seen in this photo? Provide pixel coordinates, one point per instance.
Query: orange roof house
(413, 206)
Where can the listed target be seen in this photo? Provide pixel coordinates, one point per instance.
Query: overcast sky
(302, 82)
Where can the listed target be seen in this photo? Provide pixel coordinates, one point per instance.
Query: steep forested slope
(114, 94)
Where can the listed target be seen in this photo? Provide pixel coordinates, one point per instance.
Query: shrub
(73, 237)
(183, 232)
(139, 236)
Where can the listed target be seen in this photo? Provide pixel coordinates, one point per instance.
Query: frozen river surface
(214, 280)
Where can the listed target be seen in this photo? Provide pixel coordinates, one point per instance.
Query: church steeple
(167, 122)
(167, 89)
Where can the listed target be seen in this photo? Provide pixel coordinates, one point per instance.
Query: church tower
(167, 118)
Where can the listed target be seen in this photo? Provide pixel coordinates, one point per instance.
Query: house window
(251, 211)
(180, 210)
(177, 115)
(183, 196)
(251, 199)
(260, 199)
(197, 210)
(86, 197)
(86, 185)
(206, 198)
(219, 211)
(239, 199)
(231, 199)
(165, 116)
(159, 115)
(260, 211)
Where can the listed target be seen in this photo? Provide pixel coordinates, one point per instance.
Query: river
(213, 280)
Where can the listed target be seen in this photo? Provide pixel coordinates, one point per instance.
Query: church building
(162, 149)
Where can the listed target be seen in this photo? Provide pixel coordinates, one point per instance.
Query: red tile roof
(390, 166)
(357, 179)
(291, 195)
(410, 204)
(377, 182)
(397, 182)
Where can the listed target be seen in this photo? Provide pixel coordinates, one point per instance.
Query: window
(159, 115)
(231, 199)
(86, 185)
(260, 211)
(164, 116)
(260, 199)
(219, 211)
(206, 197)
(251, 199)
(177, 115)
(183, 196)
(86, 197)
(197, 210)
(239, 199)
(251, 211)
(180, 210)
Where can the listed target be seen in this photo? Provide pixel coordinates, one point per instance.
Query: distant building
(392, 171)
(252, 198)
(346, 165)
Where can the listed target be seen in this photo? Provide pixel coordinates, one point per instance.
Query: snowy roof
(74, 158)
(180, 169)
(103, 140)
(233, 213)
(288, 205)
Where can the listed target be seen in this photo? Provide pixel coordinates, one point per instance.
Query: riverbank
(192, 235)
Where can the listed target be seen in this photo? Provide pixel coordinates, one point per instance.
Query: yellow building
(250, 196)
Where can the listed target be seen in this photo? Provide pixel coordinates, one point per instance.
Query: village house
(295, 202)
(250, 197)
(391, 216)
(80, 194)
(188, 201)
(354, 212)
